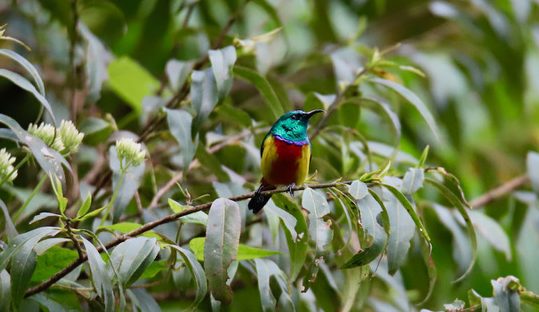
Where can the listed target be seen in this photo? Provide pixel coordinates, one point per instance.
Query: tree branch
(167, 219)
(499, 191)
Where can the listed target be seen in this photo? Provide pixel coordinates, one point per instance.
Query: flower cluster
(65, 139)
(7, 172)
(130, 153)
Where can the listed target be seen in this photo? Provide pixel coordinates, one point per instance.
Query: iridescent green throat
(292, 127)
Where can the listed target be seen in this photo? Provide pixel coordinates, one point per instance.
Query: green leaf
(10, 227)
(222, 61)
(319, 230)
(245, 252)
(431, 269)
(265, 270)
(413, 180)
(410, 209)
(380, 106)
(177, 72)
(180, 123)
(204, 94)
(264, 87)
(27, 66)
(52, 261)
(28, 86)
(197, 272)
(402, 231)
(24, 240)
(5, 291)
(131, 82)
(199, 217)
(143, 300)
(358, 190)
(414, 100)
(462, 250)
(221, 248)
(58, 191)
(101, 279)
(297, 237)
(126, 227)
(92, 213)
(23, 264)
(375, 236)
(86, 204)
(132, 257)
(44, 215)
(456, 202)
(532, 168)
(96, 63)
(492, 232)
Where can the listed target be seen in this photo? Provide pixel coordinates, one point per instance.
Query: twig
(167, 219)
(175, 178)
(74, 239)
(499, 191)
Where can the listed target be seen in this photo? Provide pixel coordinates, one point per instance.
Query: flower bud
(45, 132)
(129, 152)
(6, 166)
(70, 137)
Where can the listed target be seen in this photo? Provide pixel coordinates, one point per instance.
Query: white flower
(130, 153)
(6, 166)
(70, 136)
(46, 132)
(66, 140)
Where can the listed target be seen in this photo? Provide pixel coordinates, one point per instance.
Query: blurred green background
(481, 65)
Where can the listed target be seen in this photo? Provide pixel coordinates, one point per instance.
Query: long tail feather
(259, 200)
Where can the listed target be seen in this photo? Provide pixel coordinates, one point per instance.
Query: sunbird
(286, 154)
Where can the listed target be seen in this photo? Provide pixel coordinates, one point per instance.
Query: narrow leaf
(197, 272)
(27, 66)
(100, 277)
(26, 85)
(131, 81)
(411, 211)
(319, 230)
(221, 248)
(457, 203)
(264, 87)
(180, 123)
(132, 257)
(245, 252)
(414, 100)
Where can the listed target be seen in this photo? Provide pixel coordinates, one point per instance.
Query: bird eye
(295, 117)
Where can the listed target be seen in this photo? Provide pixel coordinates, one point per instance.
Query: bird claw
(291, 189)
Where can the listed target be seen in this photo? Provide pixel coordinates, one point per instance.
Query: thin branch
(175, 178)
(74, 239)
(500, 191)
(167, 219)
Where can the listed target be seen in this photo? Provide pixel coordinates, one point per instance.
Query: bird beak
(313, 112)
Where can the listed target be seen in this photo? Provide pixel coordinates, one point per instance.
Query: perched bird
(286, 154)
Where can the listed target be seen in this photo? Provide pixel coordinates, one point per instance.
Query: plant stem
(29, 199)
(110, 204)
(22, 162)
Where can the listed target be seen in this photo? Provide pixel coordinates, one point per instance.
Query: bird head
(292, 126)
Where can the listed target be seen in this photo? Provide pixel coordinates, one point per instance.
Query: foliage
(131, 144)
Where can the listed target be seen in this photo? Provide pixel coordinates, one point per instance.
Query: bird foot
(290, 189)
